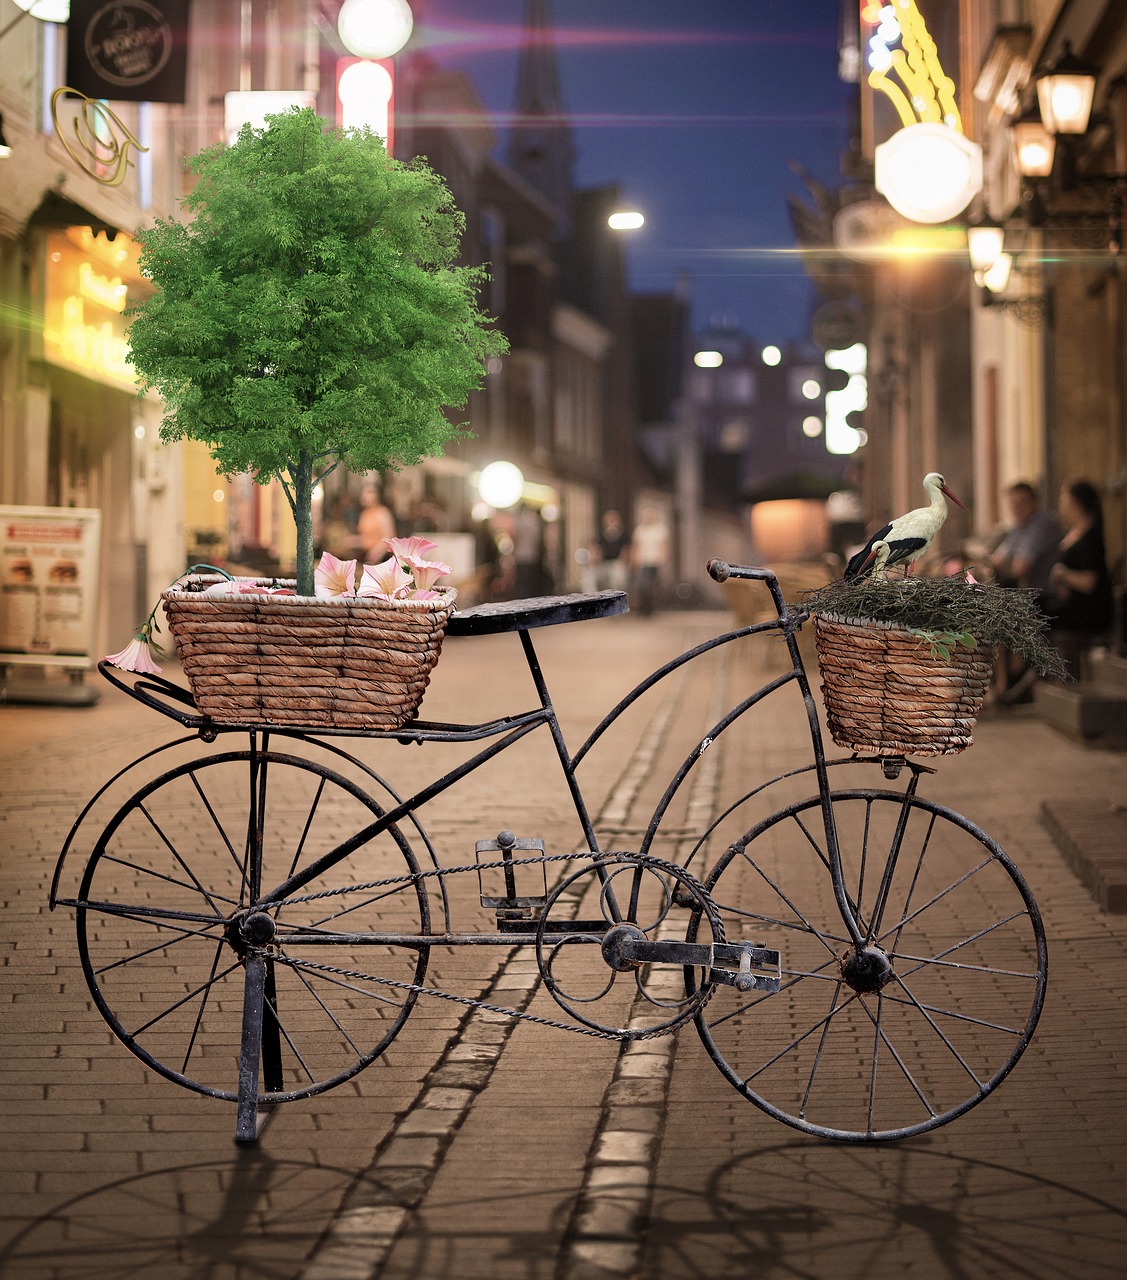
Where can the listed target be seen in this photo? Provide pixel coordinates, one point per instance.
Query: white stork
(908, 536)
(878, 558)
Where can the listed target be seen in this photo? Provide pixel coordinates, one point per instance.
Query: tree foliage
(311, 312)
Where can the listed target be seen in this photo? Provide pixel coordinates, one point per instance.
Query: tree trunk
(302, 475)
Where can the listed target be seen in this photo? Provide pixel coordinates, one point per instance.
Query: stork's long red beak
(947, 493)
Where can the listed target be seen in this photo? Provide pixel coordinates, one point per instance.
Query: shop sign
(49, 561)
(88, 285)
(128, 50)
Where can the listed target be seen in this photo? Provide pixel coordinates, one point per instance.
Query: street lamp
(626, 220)
(501, 484)
(373, 31)
(375, 28)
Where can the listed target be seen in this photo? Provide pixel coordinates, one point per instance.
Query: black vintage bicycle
(258, 922)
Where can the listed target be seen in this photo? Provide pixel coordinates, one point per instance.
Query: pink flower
(136, 656)
(386, 581)
(333, 577)
(426, 572)
(416, 545)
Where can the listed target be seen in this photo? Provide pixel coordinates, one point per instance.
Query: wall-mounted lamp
(1065, 89)
(1065, 94)
(1033, 145)
(993, 268)
(985, 241)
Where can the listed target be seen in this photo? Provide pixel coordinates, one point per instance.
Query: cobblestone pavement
(484, 1145)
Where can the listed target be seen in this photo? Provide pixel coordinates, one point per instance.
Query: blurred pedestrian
(612, 568)
(531, 574)
(1024, 557)
(375, 524)
(1080, 596)
(1029, 548)
(649, 554)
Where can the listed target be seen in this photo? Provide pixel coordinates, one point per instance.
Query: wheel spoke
(809, 928)
(747, 1005)
(835, 1010)
(220, 830)
(818, 1053)
(111, 859)
(172, 850)
(954, 1015)
(879, 1032)
(204, 986)
(935, 1027)
(200, 1011)
(293, 962)
(164, 944)
(328, 1012)
(943, 893)
(273, 1007)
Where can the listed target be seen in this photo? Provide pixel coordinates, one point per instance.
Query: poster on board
(49, 562)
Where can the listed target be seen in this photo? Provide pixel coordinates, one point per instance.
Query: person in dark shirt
(1080, 595)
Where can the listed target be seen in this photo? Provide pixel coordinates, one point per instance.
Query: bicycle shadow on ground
(848, 1212)
(251, 1216)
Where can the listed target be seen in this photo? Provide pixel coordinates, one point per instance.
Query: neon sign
(901, 46)
(101, 142)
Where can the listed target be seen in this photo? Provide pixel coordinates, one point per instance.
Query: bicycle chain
(647, 860)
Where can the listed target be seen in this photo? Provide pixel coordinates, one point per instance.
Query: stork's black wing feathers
(853, 568)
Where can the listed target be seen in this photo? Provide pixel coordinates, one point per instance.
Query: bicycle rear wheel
(919, 1024)
(167, 916)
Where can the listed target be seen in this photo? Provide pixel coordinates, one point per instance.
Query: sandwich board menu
(49, 567)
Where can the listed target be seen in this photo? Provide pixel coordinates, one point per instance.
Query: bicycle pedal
(746, 967)
(501, 894)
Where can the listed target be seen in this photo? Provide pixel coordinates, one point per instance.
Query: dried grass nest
(945, 612)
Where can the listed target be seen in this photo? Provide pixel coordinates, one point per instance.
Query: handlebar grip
(721, 571)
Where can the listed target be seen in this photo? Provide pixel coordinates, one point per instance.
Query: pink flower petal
(136, 656)
(426, 572)
(415, 545)
(333, 577)
(387, 580)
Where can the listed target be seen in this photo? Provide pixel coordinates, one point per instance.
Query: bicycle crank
(735, 964)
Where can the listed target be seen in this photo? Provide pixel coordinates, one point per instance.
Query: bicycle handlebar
(721, 571)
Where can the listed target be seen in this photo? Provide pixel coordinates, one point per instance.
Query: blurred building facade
(1027, 383)
(561, 405)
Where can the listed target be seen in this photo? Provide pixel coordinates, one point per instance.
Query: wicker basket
(342, 663)
(886, 694)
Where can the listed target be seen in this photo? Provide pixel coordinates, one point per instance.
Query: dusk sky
(695, 108)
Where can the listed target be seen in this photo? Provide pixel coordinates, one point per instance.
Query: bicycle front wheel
(167, 913)
(919, 1023)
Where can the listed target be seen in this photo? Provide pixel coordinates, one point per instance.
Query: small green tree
(310, 313)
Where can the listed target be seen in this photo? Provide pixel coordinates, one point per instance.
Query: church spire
(540, 146)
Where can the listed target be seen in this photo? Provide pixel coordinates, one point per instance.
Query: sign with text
(90, 284)
(49, 564)
(128, 50)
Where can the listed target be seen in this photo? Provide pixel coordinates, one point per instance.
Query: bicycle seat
(538, 611)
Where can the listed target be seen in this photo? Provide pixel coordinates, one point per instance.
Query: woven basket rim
(444, 600)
